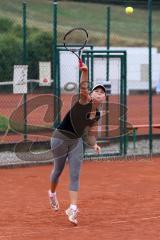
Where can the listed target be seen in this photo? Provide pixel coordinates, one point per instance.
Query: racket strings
(75, 40)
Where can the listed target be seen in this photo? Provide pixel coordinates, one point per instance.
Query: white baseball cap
(99, 86)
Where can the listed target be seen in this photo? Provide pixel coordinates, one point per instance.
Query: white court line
(150, 218)
(114, 222)
(69, 228)
(25, 233)
(78, 227)
(135, 219)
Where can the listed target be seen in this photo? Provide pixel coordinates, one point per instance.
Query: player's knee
(74, 182)
(74, 186)
(55, 176)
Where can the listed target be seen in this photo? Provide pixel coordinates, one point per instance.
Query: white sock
(73, 206)
(52, 193)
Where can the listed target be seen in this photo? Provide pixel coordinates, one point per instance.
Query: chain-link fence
(31, 33)
(26, 82)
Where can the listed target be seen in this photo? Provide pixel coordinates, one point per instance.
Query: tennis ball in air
(129, 10)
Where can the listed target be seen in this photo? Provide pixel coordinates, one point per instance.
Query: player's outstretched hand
(97, 149)
(83, 67)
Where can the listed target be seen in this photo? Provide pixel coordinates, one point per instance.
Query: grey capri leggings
(64, 147)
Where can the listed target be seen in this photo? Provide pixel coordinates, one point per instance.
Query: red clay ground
(137, 111)
(118, 200)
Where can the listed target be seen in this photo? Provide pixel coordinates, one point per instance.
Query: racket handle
(80, 63)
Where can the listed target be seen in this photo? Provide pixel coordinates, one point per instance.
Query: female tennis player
(67, 141)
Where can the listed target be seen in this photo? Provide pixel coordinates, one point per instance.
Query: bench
(134, 129)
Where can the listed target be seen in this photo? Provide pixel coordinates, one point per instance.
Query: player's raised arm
(84, 93)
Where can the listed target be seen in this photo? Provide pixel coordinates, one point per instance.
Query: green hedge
(4, 122)
(39, 48)
(10, 54)
(5, 25)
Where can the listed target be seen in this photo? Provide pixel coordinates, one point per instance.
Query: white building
(137, 69)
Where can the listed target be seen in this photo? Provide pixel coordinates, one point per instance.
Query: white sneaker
(53, 201)
(72, 215)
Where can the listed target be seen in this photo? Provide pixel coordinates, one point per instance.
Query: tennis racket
(75, 40)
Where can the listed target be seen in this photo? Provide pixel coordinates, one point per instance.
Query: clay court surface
(118, 200)
(137, 105)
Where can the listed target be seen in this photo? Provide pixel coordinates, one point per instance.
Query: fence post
(150, 72)
(24, 30)
(108, 38)
(56, 84)
(107, 65)
(125, 101)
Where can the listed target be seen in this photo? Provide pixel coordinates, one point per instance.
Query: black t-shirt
(77, 119)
